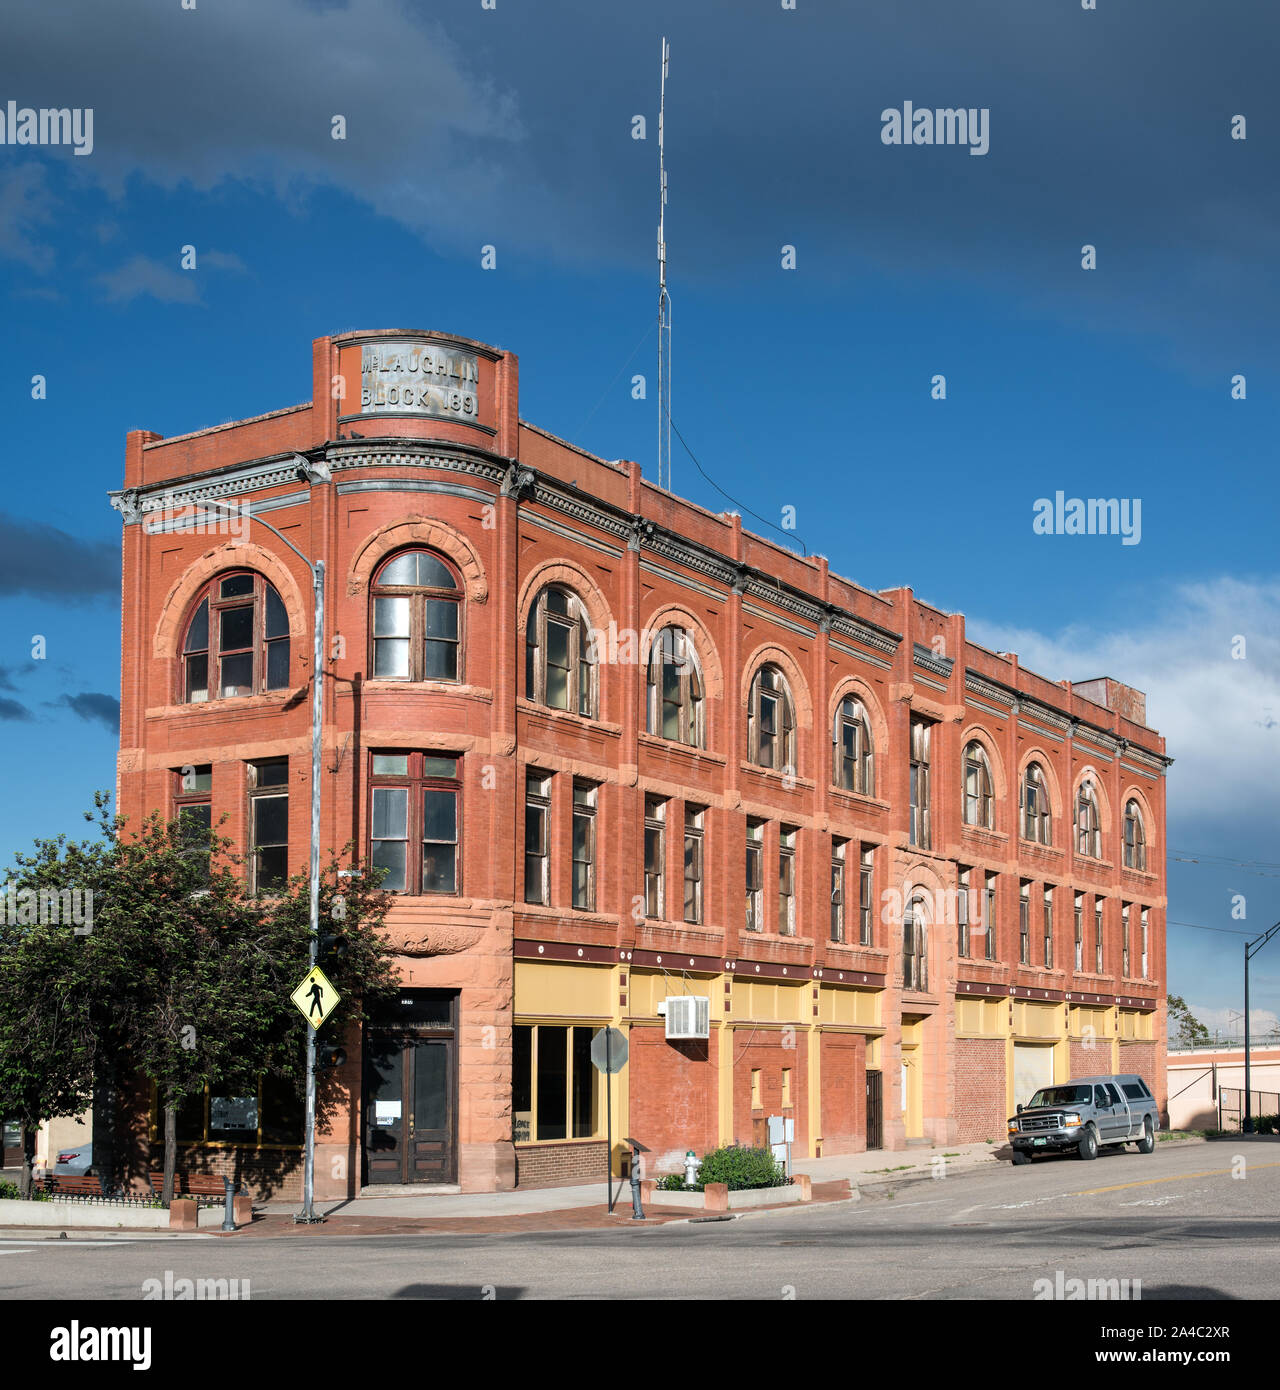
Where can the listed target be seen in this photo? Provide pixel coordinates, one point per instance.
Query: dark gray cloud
(13, 709)
(95, 708)
(512, 126)
(36, 558)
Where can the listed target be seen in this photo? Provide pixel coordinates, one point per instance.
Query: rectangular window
(655, 856)
(1144, 928)
(755, 1088)
(1097, 935)
(838, 868)
(193, 808)
(1079, 923)
(921, 732)
(269, 824)
(1124, 940)
(962, 914)
(1024, 924)
(786, 1088)
(866, 887)
(584, 846)
(989, 918)
(554, 1086)
(787, 882)
(413, 821)
(693, 866)
(1048, 928)
(537, 838)
(755, 875)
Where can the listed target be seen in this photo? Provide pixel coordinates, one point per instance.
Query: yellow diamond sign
(315, 997)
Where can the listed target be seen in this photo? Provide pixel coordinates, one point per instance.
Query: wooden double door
(410, 1105)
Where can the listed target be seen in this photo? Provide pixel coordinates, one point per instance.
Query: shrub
(674, 1182)
(9, 1191)
(1266, 1124)
(740, 1167)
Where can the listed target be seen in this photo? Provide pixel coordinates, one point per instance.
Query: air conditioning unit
(688, 1016)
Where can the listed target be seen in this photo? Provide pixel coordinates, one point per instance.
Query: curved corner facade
(811, 851)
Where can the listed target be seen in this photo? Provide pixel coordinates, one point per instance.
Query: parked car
(1087, 1114)
(77, 1162)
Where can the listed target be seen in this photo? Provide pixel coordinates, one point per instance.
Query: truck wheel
(1088, 1147)
(1020, 1156)
(1147, 1143)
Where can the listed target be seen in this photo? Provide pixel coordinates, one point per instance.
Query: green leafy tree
(185, 977)
(1185, 1029)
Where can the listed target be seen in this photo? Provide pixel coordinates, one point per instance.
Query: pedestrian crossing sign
(315, 997)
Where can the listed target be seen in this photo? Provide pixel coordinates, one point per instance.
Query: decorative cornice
(928, 660)
(848, 625)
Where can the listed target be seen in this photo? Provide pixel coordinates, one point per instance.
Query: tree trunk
(170, 1151)
(28, 1160)
(105, 1115)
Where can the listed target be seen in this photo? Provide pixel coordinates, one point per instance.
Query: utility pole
(1251, 949)
(664, 299)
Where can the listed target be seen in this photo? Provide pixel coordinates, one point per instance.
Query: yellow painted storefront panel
(1089, 1022)
(850, 1007)
(1136, 1025)
(979, 1017)
(766, 1001)
(1034, 1019)
(550, 989)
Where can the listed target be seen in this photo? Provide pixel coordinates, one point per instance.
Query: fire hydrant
(690, 1168)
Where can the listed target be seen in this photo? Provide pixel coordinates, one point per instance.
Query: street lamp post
(311, 472)
(1251, 949)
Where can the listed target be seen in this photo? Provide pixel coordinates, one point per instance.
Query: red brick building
(626, 763)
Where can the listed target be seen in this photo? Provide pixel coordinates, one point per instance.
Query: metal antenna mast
(664, 299)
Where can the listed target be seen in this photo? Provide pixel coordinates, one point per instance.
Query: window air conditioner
(688, 1016)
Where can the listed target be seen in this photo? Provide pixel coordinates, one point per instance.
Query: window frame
(915, 948)
(655, 873)
(260, 791)
(1024, 922)
(1099, 935)
(981, 800)
(1088, 821)
(1037, 821)
(963, 941)
(209, 597)
(788, 846)
(839, 887)
(690, 702)
(1135, 837)
(755, 881)
(584, 813)
(989, 916)
(853, 772)
(866, 895)
(1078, 920)
(919, 826)
(695, 840)
(539, 788)
(582, 673)
(416, 782)
(770, 684)
(1048, 928)
(418, 595)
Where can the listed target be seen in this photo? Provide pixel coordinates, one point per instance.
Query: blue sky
(807, 388)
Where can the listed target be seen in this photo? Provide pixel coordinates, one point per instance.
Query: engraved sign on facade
(411, 378)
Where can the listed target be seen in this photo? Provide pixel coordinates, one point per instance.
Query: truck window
(1100, 1097)
(1115, 1095)
(1135, 1090)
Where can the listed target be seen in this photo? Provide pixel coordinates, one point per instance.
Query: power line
(762, 520)
(1196, 856)
(1233, 931)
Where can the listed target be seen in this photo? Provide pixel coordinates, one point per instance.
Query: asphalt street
(1193, 1222)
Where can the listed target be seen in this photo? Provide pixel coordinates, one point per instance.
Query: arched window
(674, 691)
(1135, 837)
(771, 721)
(852, 752)
(1036, 823)
(416, 597)
(237, 642)
(559, 671)
(979, 803)
(915, 947)
(1088, 830)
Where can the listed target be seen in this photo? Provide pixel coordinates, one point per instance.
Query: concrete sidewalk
(874, 1166)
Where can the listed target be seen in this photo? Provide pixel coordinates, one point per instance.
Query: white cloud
(1228, 1023)
(144, 276)
(1218, 715)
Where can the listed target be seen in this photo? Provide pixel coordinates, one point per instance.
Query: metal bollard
(637, 1211)
(229, 1212)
